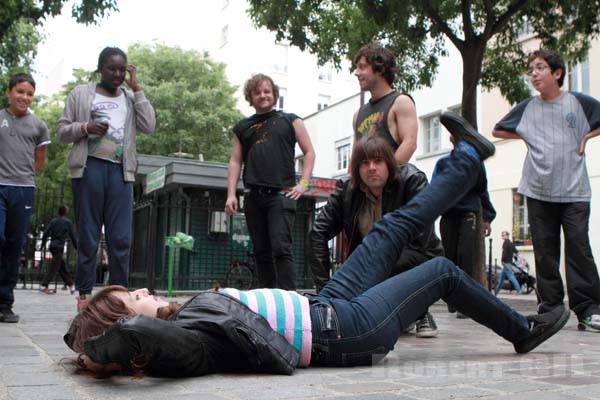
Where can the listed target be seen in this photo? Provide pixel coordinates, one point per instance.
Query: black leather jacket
(210, 333)
(340, 214)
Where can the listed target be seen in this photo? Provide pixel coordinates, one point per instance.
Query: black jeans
(270, 218)
(462, 238)
(57, 265)
(583, 286)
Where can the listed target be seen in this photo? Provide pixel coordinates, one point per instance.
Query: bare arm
(587, 137)
(306, 146)
(233, 176)
(40, 157)
(505, 134)
(403, 128)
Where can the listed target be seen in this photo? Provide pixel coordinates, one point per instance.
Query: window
(281, 100)
(218, 222)
(342, 150)
(579, 76)
(524, 29)
(431, 131)
(224, 35)
(520, 219)
(325, 73)
(280, 58)
(323, 102)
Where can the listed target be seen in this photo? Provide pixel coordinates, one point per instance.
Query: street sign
(155, 180)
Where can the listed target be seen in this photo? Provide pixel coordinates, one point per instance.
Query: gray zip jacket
(140, 115)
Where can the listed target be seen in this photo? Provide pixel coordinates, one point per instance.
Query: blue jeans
(102, 197)
(16, 205)
(359, 315)
(507, 274)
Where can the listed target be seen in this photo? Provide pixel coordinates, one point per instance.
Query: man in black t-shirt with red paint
(265, 144)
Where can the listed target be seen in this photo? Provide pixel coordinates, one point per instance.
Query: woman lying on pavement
(355, 320)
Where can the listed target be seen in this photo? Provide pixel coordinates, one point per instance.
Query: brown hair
(253, 83)
(100, 313)
(368, 148)
(380, 59)
(553, 59)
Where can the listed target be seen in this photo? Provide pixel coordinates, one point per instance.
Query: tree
(486, 33)
(19, 36)
(194, 103)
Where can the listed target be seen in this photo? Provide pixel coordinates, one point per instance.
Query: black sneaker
(426, 327)
(7, 315)
(542, 327)
(462, 130)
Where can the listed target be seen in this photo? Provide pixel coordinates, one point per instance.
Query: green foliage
(194, 103)
(19, 35)
(485, 33)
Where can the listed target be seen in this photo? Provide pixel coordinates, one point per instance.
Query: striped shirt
(553, 129)
(287, 312)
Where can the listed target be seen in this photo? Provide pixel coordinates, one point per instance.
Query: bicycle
(241, 273)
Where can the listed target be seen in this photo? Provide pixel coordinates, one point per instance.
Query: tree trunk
(472, 56)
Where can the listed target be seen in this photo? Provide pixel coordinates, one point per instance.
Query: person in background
(58, 230)
(556, 126)
(101, 121)
(23, 141)
(508, 252)
(264, 143)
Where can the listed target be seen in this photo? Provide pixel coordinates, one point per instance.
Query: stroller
(520, 268)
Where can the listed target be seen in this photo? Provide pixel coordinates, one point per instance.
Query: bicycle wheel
(240, 277)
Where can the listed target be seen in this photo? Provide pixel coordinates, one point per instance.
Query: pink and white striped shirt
(287, 312)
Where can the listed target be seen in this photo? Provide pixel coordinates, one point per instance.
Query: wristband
(303, 182)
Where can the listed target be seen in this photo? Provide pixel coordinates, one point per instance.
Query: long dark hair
(368, 148)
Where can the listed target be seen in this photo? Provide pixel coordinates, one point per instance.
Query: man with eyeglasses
(556, 126)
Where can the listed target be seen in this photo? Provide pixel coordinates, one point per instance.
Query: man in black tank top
(264, 143)
(389, 114)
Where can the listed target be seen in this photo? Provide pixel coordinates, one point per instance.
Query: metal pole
(170, 273)
(490, 267)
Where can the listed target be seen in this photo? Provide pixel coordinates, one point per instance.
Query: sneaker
(462, 130)
(7, 315)
(426, 327)
(542, 327)
(81, 302)
(46, 290)
(591, 323)
(72, 289)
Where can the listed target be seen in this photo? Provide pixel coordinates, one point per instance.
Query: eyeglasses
(539, 68)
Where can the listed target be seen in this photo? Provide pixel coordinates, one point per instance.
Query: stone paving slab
(466, 361)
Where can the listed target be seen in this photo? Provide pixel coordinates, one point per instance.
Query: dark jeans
(270, 218)
(102, 197)
(57, 265)
(462, 238)
(359, 315)
(583, 287)
(16, 205)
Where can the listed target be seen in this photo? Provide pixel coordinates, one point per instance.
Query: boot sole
(462, 130)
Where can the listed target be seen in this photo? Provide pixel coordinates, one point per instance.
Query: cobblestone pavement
(466, 361)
